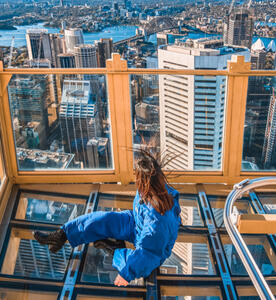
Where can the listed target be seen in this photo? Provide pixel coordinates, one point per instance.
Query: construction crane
(11, 51)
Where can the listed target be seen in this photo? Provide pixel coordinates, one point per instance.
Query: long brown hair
(151, 181)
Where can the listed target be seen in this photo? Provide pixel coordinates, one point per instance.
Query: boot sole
(42, 241)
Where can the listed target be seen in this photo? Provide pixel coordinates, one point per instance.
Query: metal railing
(229, 219)
(118, 89)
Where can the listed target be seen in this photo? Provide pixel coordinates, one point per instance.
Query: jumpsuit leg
(100, 225)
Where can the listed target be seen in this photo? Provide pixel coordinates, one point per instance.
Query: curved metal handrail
(243, 251)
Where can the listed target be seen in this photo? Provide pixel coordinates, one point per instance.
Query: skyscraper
(115, 5)
(73, 37)
(30, 103)
(258, 55)
(192, 107)
(38, 41)
(104, 51)
(92, 153)
(79, 118)
(66, 60)
(238, 29)
(270, 133)
(85, 56)
(56, 48)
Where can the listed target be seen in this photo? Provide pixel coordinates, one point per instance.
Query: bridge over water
(157, 24)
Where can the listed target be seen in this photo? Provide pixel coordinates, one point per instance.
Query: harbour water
(116, 32)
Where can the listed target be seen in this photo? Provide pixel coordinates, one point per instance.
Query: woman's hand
(120, 281)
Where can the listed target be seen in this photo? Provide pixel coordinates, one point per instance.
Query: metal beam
(217, 247)
(257, 224)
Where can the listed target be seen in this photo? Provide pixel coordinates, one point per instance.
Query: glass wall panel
(241, 206)
(190, 256)
(189, 211)
(50, 209)
(25, 257)
(61, 121)
(182, 116)
(259, 248)
(115, 202)
(259, 129)
(12, 294)
(196, 292)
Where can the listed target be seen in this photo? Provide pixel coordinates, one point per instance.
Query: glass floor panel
(190, 292)
(25, 257)
(269, 202)
(217, 203)
(24, 260)
(98, 268)
(90, 297)
(189, 211)
(48, 208)
(12, 294)
(250, 293)
(189, 257)
(259, 248)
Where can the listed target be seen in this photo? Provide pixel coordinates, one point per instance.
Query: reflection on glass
(26, 257)
(259, 130)
(189, 258)
(189, 211)
(50, 209)
(250, 292)
(185, 114)
(115, 202)
(241, 206)
(191, 293)
(268, 202)
(60, 122)
(98, 268)
(9, 294)
(260, 250)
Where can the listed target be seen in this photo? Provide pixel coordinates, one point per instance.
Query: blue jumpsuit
(152, 234)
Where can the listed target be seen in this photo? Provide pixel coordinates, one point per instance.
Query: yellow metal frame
(118, 87)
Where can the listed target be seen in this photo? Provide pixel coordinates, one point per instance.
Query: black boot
(109, 245)
(54, 239)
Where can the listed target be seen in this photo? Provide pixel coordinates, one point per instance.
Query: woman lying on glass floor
(152, 225)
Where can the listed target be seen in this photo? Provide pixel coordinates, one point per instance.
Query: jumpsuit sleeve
(147, 256)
